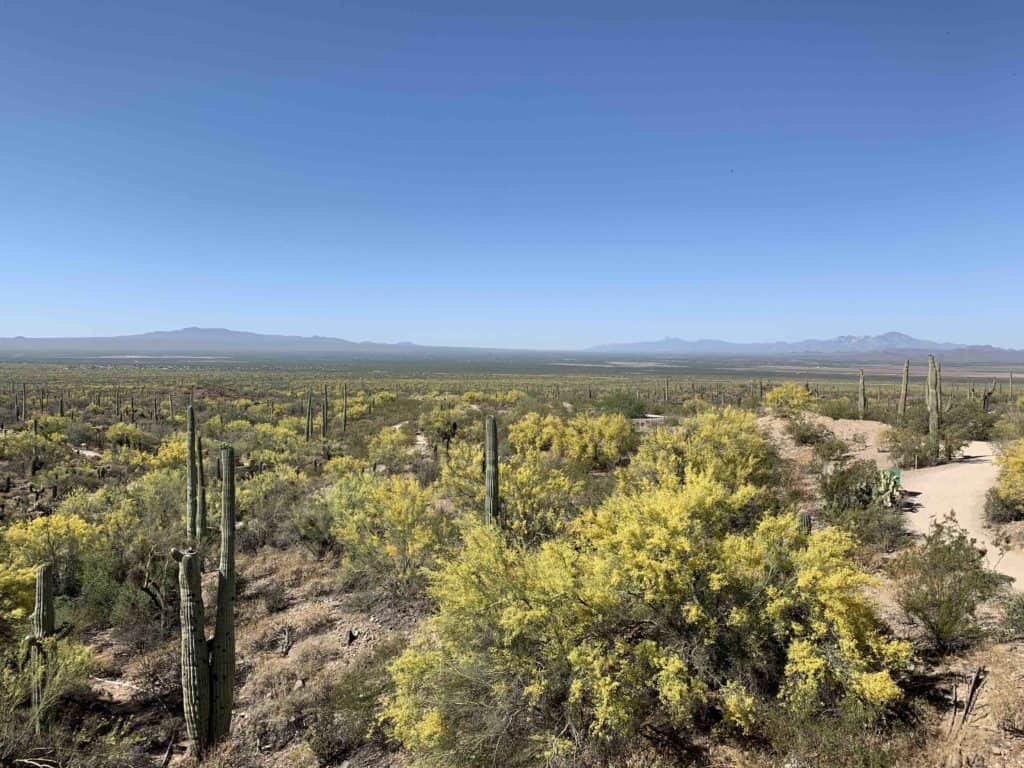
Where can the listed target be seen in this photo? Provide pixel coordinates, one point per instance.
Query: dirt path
(961, 487)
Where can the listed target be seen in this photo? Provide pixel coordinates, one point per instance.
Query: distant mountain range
(882, 346)
(200, 342)
(840, 345)
(221, 342)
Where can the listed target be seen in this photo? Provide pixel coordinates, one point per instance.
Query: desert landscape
(559, 384)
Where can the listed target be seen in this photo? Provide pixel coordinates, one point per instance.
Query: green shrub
(999, 511)
(806, 432)
(851, 736)
(943, 582)
(1013, 616)
(344, 715)
(625, 403)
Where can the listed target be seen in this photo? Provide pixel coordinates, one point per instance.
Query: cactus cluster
(208, 666)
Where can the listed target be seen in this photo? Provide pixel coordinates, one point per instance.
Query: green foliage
(850, 736)
(625, 404)
(32, 451)
(862, 500)
(343, 714)
(943, 582)
(999, 511)
(268, 501)
(67, 668)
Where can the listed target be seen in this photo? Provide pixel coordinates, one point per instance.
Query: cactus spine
(492, 503)
(901, 408)
(862, 397)
(192, 531)
(208, 668)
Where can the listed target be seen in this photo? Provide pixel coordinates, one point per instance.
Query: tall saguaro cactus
(200, 490)
(492, 502)
(862, 397)
(192, 530)
(323, 416)
(43, 627)
(934, 402)
(222, 654)
(208, 667)
(309, 416)
(901, 408)
(344, 407)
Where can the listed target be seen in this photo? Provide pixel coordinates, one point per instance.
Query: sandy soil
(960, 487)
(865, 438)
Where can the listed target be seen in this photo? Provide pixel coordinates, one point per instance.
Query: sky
(530, 174)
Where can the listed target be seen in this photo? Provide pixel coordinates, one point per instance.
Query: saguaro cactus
(200, 490)
(933, 402)
(492, 502)
(309, 416)
(323, 416)
(222, 654)
(192, 531)
(901, 408)
(344, 407)
(862, 396)
(208, 667)
(43, 627)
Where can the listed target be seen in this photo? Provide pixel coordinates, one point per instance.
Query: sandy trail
(961, 487)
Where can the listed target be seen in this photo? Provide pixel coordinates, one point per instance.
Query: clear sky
(532, 174)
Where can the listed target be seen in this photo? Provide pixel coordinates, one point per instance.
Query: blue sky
(524, 174)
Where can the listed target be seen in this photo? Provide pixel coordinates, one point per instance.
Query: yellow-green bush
(1011, 475)
(654, 615)
(788, 399)
(538, 494)
(64, 540)
(388, 528)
